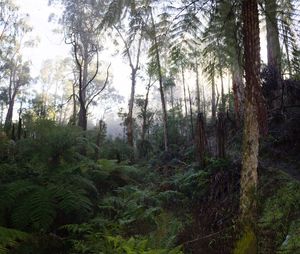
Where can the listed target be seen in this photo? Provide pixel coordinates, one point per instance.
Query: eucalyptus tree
(14, 72)
(19, 76)
(132, 42)
(81, 20)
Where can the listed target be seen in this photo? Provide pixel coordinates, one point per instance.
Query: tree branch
(100, 91)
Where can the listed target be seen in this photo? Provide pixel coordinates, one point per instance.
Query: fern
(10, 238)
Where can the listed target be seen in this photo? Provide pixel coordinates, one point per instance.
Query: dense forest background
(207, 156)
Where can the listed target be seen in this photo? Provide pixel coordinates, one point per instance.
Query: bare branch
(100, 91)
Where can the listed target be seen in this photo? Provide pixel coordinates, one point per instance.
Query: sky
(51, 45)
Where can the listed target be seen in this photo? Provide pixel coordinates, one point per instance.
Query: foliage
(279, 216)
(9, 238)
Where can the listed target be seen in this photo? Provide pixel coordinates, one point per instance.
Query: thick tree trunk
(9, 115)
(249, 176)
(251, 130)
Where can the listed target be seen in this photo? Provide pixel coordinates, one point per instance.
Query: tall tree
(136, 35)
(155, 52)
(274, 51)
(19, 76)
(254, 114)
(81, 20)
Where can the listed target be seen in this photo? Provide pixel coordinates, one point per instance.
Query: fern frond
(10, 238)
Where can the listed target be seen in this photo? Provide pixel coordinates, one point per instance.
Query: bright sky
(52, 45)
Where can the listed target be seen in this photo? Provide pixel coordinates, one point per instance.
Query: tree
(82, 31)
(19, 76)
(14, 73)
(254, 114)
(133, 55)
(155, 53)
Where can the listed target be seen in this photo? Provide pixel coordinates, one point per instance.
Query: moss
(247, 244)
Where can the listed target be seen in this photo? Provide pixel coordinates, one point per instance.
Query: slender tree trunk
(130, 111)
(273, 50)
(197, 86)
(191, 113)
(144, 124)
(221, 135)
(82, 118)
(185, 104)
(74, 105)
(213, 98)
(249, 177)
(161, 88)
(200, 140)
(222, 91)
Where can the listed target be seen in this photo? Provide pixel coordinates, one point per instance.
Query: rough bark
(249, 177)
(9, 115)
(238, 95)
(251, 128)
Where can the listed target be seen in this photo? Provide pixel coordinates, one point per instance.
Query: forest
(190, 145)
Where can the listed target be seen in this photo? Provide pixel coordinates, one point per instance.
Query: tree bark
(249, 177)
(274, 51)
(191, 113)
(238, 94)
(221, 135)
(130, 111)
(197, 86)
(200, 140)
(9, 115)
(213, 98)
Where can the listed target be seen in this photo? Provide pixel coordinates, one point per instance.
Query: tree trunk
(130, 111)
(9, 115)
(221, 135)
(161, 88)
(197, 86)
(249, 178)
(82, 118)
(213, 99)
(238, 95)
(191, 113)
(145, 126)
(200, 140)
(273, 50)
